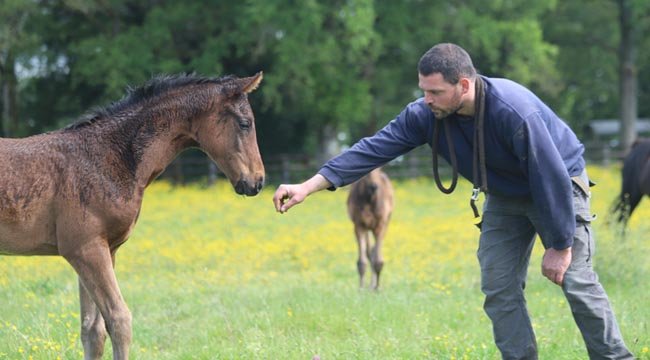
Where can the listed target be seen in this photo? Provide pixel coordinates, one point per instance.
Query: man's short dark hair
(450, 60)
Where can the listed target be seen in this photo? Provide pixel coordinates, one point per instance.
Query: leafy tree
(631, 15)
(504, 38)
(312, 54)
(317, 55)
(337, 66)
(589, 39)
(14, 41)
(642, 22)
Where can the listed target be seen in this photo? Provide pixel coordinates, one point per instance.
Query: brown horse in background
(77, 192)
(370, 204)
(635, 181)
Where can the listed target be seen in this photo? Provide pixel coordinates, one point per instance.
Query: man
(497, 133)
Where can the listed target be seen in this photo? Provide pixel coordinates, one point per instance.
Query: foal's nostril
(240, 187)
(259, 184)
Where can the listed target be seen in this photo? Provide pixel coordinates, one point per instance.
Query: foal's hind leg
(376, 257)
(362, 247)
(93, 329)
(93, 263)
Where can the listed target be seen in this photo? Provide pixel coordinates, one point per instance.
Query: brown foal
(77, 192)
(370, 204)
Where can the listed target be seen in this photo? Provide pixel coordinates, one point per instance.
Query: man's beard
(444, 113)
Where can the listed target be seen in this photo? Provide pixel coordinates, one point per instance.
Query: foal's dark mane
(157, 86)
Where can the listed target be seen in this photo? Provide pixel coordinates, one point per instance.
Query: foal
(370, 204)
(77, 192)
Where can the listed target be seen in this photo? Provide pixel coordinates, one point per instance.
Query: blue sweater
(530, 152)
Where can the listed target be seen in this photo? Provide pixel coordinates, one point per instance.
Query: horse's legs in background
(94, 265)
(376, 257)
(635, 184)
(632, 201)
(362, 247)
(93, 329)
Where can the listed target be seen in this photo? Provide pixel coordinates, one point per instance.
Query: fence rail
(193, 165)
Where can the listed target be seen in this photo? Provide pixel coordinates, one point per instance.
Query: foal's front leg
(376, 256)
(93, 329)
(93, 264)
(362, 247)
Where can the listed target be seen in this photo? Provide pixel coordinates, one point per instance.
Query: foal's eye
(244, 124)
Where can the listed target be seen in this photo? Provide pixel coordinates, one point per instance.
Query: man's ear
(465, 83)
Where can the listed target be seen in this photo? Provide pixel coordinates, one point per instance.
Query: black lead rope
(479, 168)
(479, 171)
(452, 156)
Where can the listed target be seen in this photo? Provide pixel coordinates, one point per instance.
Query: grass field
(208, 274)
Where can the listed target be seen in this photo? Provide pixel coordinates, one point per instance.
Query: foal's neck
(145, 139)
(162, 137)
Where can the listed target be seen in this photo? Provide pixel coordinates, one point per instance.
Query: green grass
(211, 275)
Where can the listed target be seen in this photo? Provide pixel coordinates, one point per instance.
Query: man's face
(443, 98)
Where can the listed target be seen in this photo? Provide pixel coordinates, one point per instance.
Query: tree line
(340, 68)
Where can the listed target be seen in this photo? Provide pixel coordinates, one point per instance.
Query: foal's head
(227, 135)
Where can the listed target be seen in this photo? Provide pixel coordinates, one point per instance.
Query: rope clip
(475, 192)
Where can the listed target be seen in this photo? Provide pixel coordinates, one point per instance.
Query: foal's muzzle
(244, 187)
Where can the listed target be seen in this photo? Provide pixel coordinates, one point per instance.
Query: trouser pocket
(581, 198)
(583, 241)
(583, 245)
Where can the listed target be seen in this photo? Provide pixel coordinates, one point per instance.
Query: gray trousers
(507, 239)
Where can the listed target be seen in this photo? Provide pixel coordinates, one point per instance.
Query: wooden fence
(194, 166)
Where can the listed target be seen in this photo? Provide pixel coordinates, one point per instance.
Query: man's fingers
(556, 277)
(555, 264)
(284, 200)
(277, 202)
(281, 195)
(289, 203)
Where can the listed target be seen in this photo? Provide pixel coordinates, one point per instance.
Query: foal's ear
(249, 84)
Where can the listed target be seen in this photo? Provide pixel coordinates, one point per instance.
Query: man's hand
(555, 263)
(288, 195)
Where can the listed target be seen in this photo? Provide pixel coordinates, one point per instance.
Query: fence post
(285, 169)
(412, 165)
(212, 172)
(177, 174)
(607, 153)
